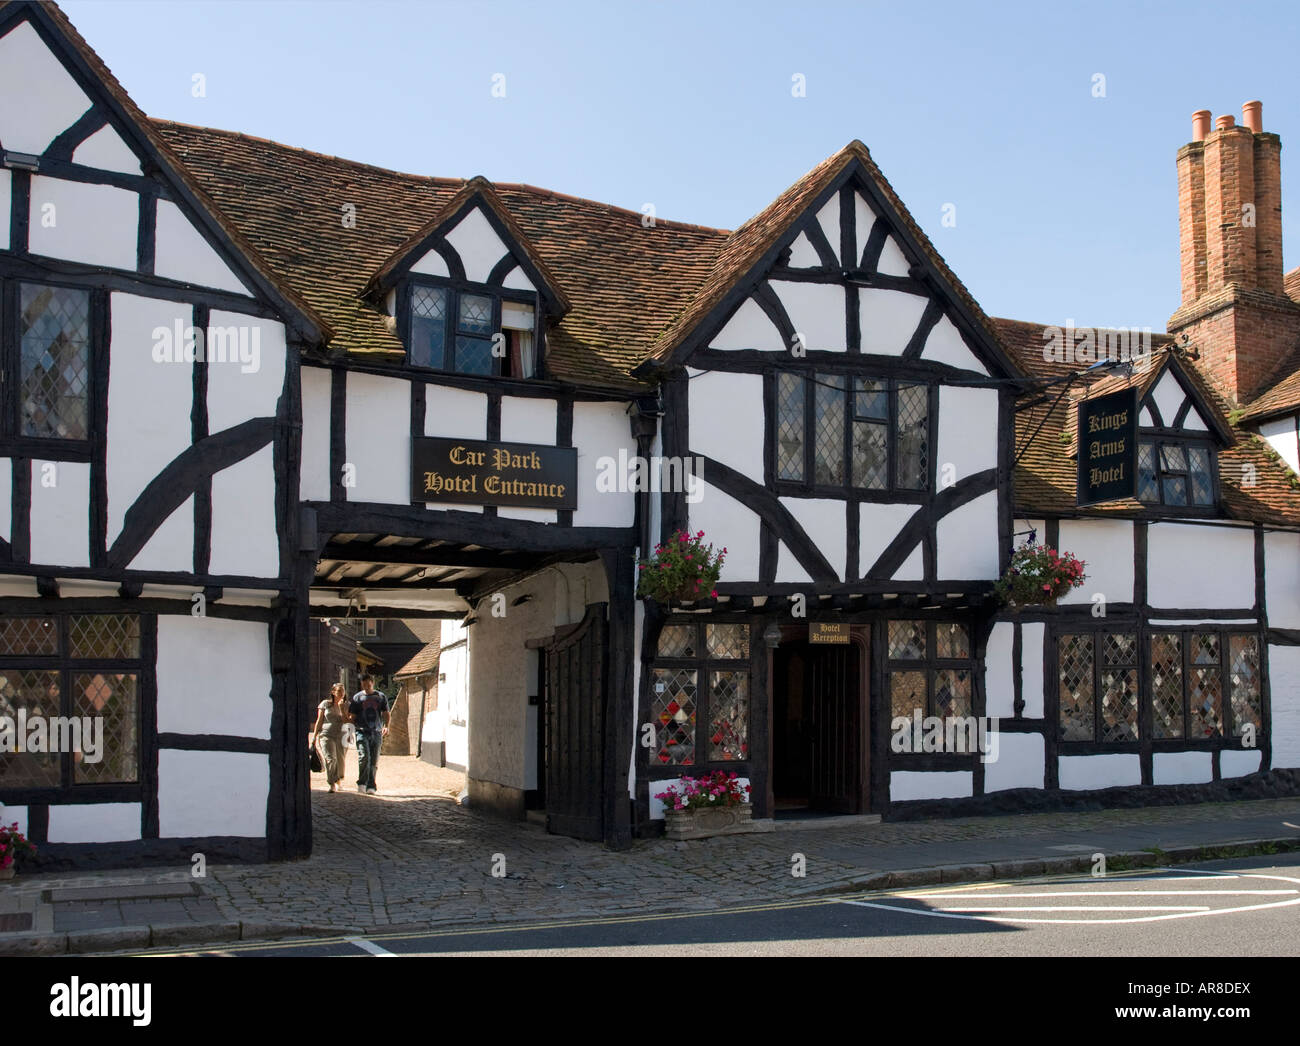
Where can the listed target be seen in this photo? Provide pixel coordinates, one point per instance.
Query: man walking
(368, 711)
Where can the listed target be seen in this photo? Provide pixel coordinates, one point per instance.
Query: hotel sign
(828, 632)
(1108, 448)
(475, 472)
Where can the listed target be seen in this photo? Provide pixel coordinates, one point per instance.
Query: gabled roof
(97, 80)
(752, 248)
(477, 192)
(421, 664)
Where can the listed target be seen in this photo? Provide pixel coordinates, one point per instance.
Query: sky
(1046, 132)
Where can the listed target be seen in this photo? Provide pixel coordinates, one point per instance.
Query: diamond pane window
(1077, 709)
(871, 400)
(870, 455)
(1148, 488)
(828, 430)
(1199, 473)
(952, 693)
(678, 641)
(1174, 489)
(951, 639)
(1205, 648)
(1243, 679)
(429, 327)
(790, 426)
(473, 355)
(39, 693)
(912, 435)
(107, 636)
(475, 316)
(1119, 648)
(1205, 703)
(1173, 458)
(1167, 685)
(727, 642)
(55, 362)
(907, 640)
(113, 699)
(906, 693)
(1119, 704)
(33, 636)
(673, 710)
(1176, 474)
(728, 716)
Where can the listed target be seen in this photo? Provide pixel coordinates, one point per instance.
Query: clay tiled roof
(421, 664)
(1044, 479)
(623, 281)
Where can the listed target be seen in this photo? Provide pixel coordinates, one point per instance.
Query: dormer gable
(1175, 402)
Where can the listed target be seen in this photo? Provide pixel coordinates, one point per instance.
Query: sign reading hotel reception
(1108, 448)
(473, 472)
(828, 632)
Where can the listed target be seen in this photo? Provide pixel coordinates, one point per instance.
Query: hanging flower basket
(1038, 576)
(13, 845)
(714, 804)
(682, 570)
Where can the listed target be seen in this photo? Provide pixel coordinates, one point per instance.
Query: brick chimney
(1233, 306)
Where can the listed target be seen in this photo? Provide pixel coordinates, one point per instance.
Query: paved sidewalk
(412, 858)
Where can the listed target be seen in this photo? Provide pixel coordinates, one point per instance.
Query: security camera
(361, 603)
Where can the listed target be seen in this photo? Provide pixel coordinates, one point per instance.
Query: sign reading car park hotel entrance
(1108, 448)
(474, 472)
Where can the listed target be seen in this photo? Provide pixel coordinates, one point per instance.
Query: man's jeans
(368, 744)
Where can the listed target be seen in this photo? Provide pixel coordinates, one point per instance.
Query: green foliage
(1038, 574)
(683, 568)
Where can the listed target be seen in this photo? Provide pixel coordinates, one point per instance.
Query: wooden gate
(833, 699)
(574, 724)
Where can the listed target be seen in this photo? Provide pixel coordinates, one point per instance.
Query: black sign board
(1108, 448)
(474, 472)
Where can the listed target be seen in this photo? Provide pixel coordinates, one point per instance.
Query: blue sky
(1066, 203)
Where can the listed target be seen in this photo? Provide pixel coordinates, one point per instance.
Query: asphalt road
(1243, 907)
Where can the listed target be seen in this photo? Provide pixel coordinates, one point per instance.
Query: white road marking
(1104, 893)
(1088, 908)
(371, 947)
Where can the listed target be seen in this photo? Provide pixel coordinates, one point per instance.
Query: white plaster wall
(94, 823)
(1281, 578)
(214, 676)
(6, 498)
(823, 520)
(12, 814)
(1225, 567)
(93, 224)
(181, 253)
(864, 218)
(516, 279)
(455, 413)
(1146, 418)
(379, 438)
(453, 695)
(878, 525)
(788, 568)
(1037, 525)
(1281, 435)
(4, 208)
(245, 538)
(148, 403)
(31, 119)
(968, 432)
(314, 484)
(1106, 548)
(945, 345)
(1032, 634)
(749, 328)
(829, 219)
(913, 568)
(171, 546)
(999, 680)
(816, 311)
(1168, 768)
(59, 528)
(1168, 397)
(1021, 763)
(478, 245)
(1085, 772)
(915, 784)
(1239, 764)
(727, 523)
(527, 420)
(106, 151)
(600, 429)
(212, 793)
(967, 539)
(1284, 692)
(802, 253)
(892, 260)
(239, 391)
(431, 264)
(726, 419)
(888, 319)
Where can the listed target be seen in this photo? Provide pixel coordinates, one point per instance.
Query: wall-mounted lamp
(772, 636)
(22, 161)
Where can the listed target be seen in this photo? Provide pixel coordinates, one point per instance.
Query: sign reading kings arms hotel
(1108, 448)
(474, 472)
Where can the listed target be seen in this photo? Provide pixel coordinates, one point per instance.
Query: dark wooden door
(575, 704)
(832, 697)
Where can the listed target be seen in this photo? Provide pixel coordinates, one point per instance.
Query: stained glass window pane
(1243, 678)
(672, 709)
(473, 355)
(729, 715)
(912, 435)
(55, 370)
(951, 639)
(906, 692)
(112, 699)
(907, 640)
(475, 316)
(870, 456)
(1166, 685)
(104, 636)
(678, 641)
(1148, 488)
(29, 635)
(1205, 648)
(1199, 473)
(828, 422)
(1119, 648)
(727, 641)
(952, 692)
(1119, 705)
(1205, 703)
(790, 426)
(871, 400)
(40, 694)
(1076, 688)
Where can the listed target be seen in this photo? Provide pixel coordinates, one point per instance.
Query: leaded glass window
(429, 327)
(1244, 684)
(700, 675)
(54, 362)
(930, 668)
(1098, 691)
(789, 426)
(469, 331)
(1176, 474)
(828, 431)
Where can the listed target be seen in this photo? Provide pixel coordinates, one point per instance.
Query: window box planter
(703, 822)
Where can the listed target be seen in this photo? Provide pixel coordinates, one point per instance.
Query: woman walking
(328, 733)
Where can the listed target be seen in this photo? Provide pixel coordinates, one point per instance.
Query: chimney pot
(1224, 122)
(1252, 115)
(1200, 124)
